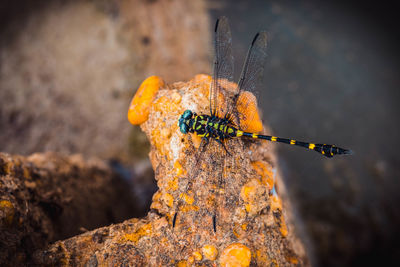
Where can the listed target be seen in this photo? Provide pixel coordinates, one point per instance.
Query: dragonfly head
(184, 121)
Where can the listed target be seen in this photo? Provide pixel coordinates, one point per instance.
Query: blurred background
(68, 70)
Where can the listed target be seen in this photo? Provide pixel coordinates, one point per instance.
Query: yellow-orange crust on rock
(210, 252)
(247, 107)
(265, 171)
(235, 255)
(140, 105)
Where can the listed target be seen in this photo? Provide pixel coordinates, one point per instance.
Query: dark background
(332, 77)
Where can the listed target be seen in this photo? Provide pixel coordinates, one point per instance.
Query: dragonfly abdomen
(324, 149)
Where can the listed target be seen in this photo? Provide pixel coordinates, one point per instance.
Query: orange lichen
(249, 190)
(276, 203)
(168, 199)
(209, 252)
(161, 198)
(165, 133)
(182, 263)
(173, 184)
(236, 255)
(239, 230)
(168, 103)
(247, 207)
(197, 256)
(156, 203)
(283, 228)
(247, 104)
(251, 193)
(159, 142)
(264, 170)
(156, 196)
(179, 169)
(210, 201)
(138, 234)
(188, 199)
(196, 140)
(140, 105)
(187, 208)
(202, 79)
(234, 231)
(262, 257)
(276, 206)
(292, 259)
(7, 211)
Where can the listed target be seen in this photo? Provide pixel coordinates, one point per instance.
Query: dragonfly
(225, 120)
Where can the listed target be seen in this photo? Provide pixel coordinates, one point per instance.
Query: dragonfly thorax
(207, 126)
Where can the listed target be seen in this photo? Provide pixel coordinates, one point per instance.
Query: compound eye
(187, 114)
(184, 128)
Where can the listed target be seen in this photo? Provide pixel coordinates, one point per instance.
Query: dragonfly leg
(214, 219)
(174, 219)
(223, 145)
(204, 142)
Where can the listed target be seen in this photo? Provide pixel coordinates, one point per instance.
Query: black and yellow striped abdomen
(326, 150)
(220, 129)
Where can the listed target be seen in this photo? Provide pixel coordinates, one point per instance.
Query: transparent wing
(223, 63)
(250, 79)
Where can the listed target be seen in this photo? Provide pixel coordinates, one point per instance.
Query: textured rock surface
(252, 225)
(67, 69)
(47, 197)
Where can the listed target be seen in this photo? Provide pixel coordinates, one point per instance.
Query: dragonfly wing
(250, 79)
(223, 64)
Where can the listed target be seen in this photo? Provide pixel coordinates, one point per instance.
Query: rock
(253, 227)
(47, 197)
